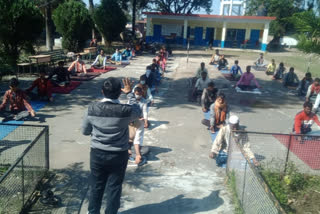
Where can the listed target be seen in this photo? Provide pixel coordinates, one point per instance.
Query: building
(232, 7)
(249, 32)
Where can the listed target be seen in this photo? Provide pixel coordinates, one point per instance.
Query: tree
(110, 20)
(180, 6)
(21, 25)
(282, 9)
(73, 22)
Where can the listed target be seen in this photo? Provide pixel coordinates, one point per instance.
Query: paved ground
(179, 177)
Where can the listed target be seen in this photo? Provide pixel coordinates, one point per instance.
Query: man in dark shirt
(19, 107)
(222, 63)
(107, 123)
(60, 75)
(208, 97)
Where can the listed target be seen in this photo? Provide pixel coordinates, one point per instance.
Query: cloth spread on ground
(207, 117)
(66, 90)
(254, 91)
(107, 69)
(122, 65)
(86, 77)
(307, 150)
(259, 68)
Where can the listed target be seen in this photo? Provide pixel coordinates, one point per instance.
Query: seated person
(200, 70)
(200, 85)
(222, 141)
(290, 79)
(305, 84)
(136, 128)
(77, 66)
(313, 90)
(245, 80)
(304, 119)
(208, 97)
(100, 61)
(235, 70)
(93, 42)
(156, 68)
(223, 63)
(127, 54)
(146, 92)
(260, 62)
(44, 87)
(215, 58)
(279, 72)
(116, 58)
(60, 75)
(19, 107)
(219, 113)
(271, 68)
(150, 74)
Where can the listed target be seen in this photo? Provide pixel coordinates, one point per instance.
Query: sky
(215, 6)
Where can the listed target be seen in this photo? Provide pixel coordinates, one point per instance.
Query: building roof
(212, 16)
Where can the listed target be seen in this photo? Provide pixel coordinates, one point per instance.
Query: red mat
(66, 90)
(87, 77)
(308, 151)
(107, 69)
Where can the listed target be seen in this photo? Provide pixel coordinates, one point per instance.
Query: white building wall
(231, 7)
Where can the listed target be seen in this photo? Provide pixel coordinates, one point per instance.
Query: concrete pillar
(248, 32)
(148, 33)
(185, 32)
(224, 31)
(265, 37)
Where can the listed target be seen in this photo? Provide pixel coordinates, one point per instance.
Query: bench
(56, 55)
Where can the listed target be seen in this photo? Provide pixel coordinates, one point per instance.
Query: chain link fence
(276, 154)
(24, 160)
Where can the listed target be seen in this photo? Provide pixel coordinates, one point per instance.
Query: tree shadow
(181, 204)
(156, 123)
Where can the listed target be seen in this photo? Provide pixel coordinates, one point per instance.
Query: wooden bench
(56, 55)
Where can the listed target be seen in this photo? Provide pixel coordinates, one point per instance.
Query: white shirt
(202, 84)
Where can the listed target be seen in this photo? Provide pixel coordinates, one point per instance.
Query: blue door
(241, 35)
(254, 38)
(198, 32)
(157, 33)
(209, 36)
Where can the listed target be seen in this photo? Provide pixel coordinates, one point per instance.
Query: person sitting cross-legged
(77, 66)
(245, 80)
(260, 62)
(200, 85)
(235, 70)
(290, 79)
(116, 58)
(271, 68)
(44, 87)
(60, 76)
(19, 107)
(305, 83)
(278, 75)
(199, 71)
(136, 127)
(100, 62)
(222, 141)
(208, 97)
(305, 119)
(223, 63)
(215, 58)
(127, 54)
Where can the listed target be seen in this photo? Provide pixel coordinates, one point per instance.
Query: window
(226, 9)
(231, 35)
(236, 10)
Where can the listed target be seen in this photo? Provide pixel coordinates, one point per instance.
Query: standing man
(107, 122)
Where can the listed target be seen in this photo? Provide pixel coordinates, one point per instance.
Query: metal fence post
(47, 148)
(287, 157)
(244, 182)
(22, 177)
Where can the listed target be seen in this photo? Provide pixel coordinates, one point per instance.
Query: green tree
(180, 6)
(110, 20)
(21, 25)
(282, 9)
(73, 22)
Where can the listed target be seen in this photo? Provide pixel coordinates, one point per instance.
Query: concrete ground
(179, 176)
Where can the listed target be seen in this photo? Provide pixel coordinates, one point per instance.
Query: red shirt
(17, 101)
(304, 120)
(44, 87)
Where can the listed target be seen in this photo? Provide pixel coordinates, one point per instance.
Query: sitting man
(271, 68)
(222, 141)
(215, 58)
(127, 54)
(235, 70)
(223, 63)
(313, 89)
(19, 107)
(290, 79)
(44, 87)
(100, 62)
(136, 128)
(305, 84)
(200, 85)
(77, 66)
(60, 76)
(200, 70)
(146, 92)
(116, 58)
(208, 97)
(260, 62)
(245, 80)
(219, 113)
(304, 119)
(279, 72)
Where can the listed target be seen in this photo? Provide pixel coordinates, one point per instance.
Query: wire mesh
(23, 163)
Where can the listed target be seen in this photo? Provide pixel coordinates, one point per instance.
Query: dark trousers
(14, 115)
(107, 168)
(247, 87)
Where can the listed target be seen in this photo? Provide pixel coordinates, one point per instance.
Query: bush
(73, 22)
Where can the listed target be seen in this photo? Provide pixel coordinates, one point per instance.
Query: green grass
(233, 189)
(3, 170)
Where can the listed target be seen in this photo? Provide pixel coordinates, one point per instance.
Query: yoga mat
(257, 68)
(212, 135)
(87, 77)
(66, 90)
(308, 151)
(225, 71)
(107, 69)
(254, 91)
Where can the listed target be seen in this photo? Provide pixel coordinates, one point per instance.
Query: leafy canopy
(180, 6)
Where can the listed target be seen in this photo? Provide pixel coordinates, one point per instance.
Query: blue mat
(212, 135)
(5, 130)
(225, 71)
